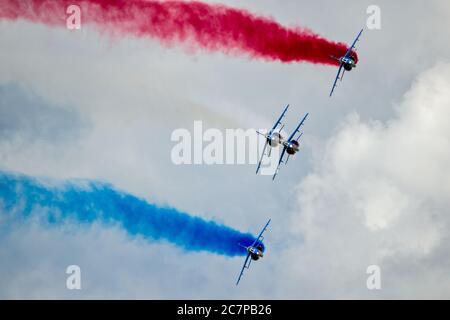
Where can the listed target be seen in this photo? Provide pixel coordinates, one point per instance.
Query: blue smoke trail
(21, 197)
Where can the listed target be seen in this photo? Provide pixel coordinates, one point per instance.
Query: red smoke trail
(195, 24)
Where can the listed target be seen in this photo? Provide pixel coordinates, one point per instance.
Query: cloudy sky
(369, 187)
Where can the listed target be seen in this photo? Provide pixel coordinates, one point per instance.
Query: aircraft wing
(261, 233)
(298, 128)
(279, 162)
(245, 266)
(262, 155)
(337, 78)
(279, 119)
(353, 44)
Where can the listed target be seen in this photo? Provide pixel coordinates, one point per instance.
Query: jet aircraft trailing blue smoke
(86, 202)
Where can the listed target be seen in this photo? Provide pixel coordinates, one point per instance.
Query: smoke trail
(85, 202)
(212, 27)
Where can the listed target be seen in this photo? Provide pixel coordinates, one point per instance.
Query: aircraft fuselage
(275, 139)
(255, 253)
(349, 63)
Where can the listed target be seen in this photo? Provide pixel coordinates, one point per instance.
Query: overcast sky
(370, 185)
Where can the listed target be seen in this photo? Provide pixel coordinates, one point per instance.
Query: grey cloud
(26, 115)
(374, 199)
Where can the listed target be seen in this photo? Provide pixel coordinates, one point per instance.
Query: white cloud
(381, 193)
